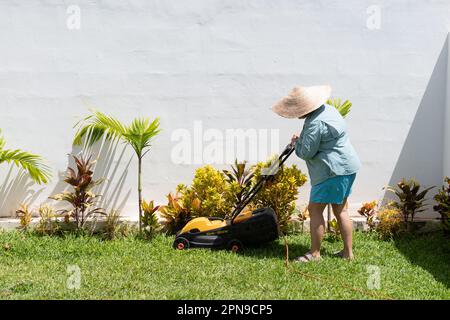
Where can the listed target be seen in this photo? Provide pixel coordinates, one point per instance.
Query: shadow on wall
(112, 190)
(422, 158)
(109, 156)
(422, 153)
(17, 188)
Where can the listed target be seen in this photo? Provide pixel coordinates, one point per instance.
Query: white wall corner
(446, 147)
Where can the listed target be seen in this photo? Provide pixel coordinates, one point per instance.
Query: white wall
(224, 62)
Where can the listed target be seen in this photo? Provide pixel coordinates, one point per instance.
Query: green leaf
(30, 162)
(343, 108)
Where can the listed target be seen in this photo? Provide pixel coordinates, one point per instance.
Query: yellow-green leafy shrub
(211, 188)
(390, 222)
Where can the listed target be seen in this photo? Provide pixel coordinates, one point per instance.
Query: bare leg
(345, 225)
(317, 226)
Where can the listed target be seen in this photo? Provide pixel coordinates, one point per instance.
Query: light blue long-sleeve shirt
(325, 146)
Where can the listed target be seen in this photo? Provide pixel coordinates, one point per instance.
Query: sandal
(340, 254)
(307, 257)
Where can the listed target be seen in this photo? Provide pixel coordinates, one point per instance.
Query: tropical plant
(343, 107)
(443, 206)
(82, 199)
(389, 222)
(48, 223)
(32, 163)
(367, 210)
(115, 229)
(112, 225)
(335, 231)
(212, 194)
(242, 176)
(177, 212)
(139, 135)
(25, 215)
(280, 192)
(150, 222)
(411, 200)
(297, 221)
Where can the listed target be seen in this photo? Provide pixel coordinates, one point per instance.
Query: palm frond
(2, 141)
(31, 163)
(95, 126)
(343, 107)
(140, 134)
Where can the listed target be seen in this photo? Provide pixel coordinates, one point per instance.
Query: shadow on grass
(431, 252)
(276, 249)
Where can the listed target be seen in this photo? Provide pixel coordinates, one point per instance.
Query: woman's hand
(294, 139)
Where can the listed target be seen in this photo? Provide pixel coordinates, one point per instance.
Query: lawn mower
(248, 228)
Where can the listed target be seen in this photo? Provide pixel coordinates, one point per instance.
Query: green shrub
(443, 206)
(280, 192)
(390, 222)
(216, 195)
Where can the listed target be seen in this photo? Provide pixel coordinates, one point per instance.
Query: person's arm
(308, 144)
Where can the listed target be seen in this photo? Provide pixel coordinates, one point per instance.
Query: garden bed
(32, 267)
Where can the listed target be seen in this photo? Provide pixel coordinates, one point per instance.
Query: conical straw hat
(301, 101)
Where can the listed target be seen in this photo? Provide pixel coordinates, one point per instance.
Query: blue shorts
(333, 190)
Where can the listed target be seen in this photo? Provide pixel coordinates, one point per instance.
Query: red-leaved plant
(82, 199)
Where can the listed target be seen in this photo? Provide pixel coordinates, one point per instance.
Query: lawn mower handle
(273, 169)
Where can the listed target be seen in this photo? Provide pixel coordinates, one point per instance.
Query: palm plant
(139, 135)
(30, 162)
(343, 107)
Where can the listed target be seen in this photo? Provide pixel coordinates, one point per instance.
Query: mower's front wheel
(181, 243)
(235, 246)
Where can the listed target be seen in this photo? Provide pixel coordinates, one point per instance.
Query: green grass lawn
(33, 267)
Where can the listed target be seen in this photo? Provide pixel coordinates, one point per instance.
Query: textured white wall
(446, 158)
(225, 63)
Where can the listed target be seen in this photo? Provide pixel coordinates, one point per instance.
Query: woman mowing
(331, 160)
